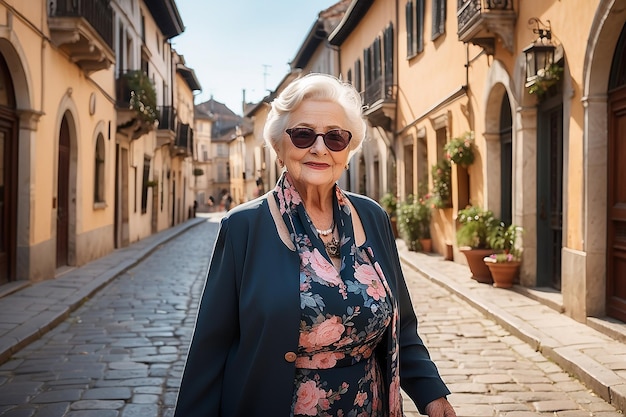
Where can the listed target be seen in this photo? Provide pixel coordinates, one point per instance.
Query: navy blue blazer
(242, 354)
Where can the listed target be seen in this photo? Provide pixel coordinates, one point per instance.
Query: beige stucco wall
(48, 86)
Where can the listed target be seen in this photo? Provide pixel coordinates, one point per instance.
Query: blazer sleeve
(216, 330)
(419, 376)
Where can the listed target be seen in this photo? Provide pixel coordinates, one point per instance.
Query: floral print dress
(345, 314)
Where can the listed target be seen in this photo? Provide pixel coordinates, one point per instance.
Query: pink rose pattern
(345, 315)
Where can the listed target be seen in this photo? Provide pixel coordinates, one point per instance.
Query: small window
(419, 25)
(414, 27)
(439, 18)
(411, 49)
(99, 176)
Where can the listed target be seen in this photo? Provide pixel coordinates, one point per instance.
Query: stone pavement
(498, 359)
(594, 355)
(27, 312)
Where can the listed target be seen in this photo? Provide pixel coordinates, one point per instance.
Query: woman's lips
(317, 165)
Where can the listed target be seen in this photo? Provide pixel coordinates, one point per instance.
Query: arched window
(98, 183)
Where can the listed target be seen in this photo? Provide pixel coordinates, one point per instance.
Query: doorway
(549, 191)
(8, 176)
(616, 193)
(63, 203)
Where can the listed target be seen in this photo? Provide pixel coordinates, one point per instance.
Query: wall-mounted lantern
(541, 69)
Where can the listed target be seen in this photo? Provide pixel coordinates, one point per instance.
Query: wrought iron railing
(98, 13)
(380, 88)
(470, 10)
(167, 118)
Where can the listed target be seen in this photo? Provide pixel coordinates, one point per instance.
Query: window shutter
(410, 51)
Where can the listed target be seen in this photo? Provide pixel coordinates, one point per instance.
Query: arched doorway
(8, 175)
(63, 196)
(616, 193)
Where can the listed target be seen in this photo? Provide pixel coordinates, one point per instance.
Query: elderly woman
(305, 311)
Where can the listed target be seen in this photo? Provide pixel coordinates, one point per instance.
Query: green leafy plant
(544, 79)
(142, 95)
(414, 217)
(460, 150)
(408, 224)
(504, 238)
(424, 215)
(476, 226)
(441, 195)
(389, 202)
(198, 172)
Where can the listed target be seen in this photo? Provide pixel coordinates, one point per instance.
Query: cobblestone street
(121, 354)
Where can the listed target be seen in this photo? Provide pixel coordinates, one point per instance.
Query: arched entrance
(63, 200)
(8, 176)
(616, 192)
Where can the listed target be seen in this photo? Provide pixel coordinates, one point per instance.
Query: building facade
(70, 140)
(546, 137)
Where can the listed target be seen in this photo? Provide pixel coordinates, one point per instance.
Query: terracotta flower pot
(480, 271)
(504, 274)
(427, 245)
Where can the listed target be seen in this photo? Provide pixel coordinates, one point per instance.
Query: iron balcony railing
(183, 144)
(380, 88)
(98, 13)
(167, 118)
(468, 11)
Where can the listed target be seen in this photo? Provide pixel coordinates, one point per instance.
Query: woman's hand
(440, 408)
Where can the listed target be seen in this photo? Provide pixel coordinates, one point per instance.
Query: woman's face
(316, 165)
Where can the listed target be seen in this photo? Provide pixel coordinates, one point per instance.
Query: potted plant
(408, 223)
(504, 266)
(441, 195)
(389, 203)
(475, 226)
(423, 218)
(142, 96)
(460, 150)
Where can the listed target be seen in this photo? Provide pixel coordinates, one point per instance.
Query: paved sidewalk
(595, 358)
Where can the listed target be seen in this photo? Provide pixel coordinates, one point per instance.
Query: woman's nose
(319, 146)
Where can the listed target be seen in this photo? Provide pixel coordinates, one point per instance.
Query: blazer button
(290, 357)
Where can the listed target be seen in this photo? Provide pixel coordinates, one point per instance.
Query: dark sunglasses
(304, 137)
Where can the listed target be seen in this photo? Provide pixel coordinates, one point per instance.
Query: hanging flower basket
(142, 96)
(545, 78)
(460, 150)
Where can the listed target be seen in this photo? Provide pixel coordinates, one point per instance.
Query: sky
(237, 45)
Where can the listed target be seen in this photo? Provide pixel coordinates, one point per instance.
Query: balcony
(166, 132)
(482, 21)
(135, 103)
(380, 102)
(84, 30)
(183, 144)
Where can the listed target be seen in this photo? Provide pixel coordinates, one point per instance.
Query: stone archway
(589, 295)
(27, 120)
